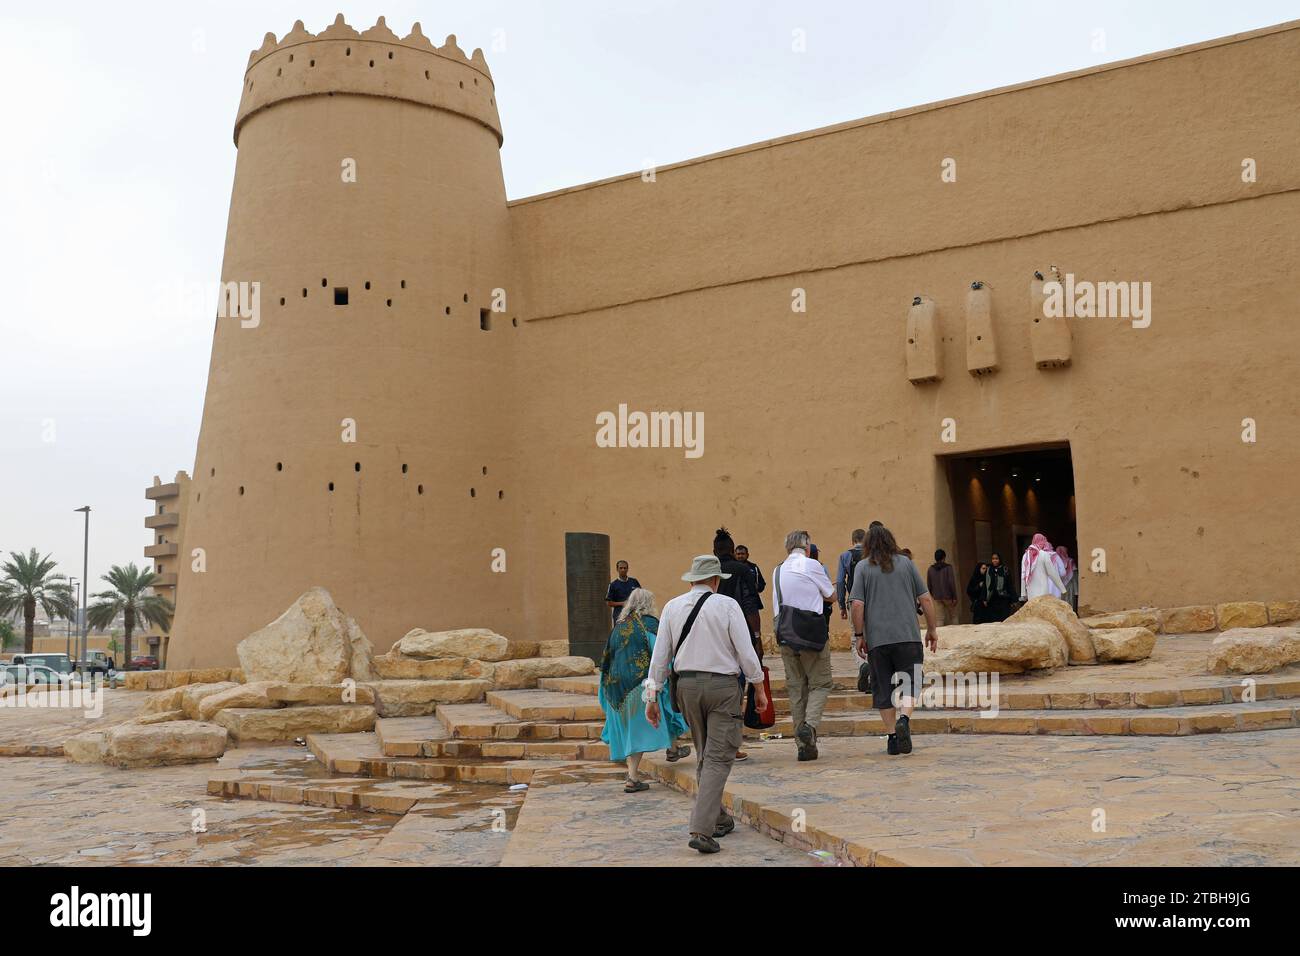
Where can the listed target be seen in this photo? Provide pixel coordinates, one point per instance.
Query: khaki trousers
(711, 704)
(808, 683)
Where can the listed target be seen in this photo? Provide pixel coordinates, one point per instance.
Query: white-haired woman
(623, 668)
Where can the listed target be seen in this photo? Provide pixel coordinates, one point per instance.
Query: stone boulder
(1116, 644)
(265, 726)
(1193, 619)
(313, 642)
(241, 695)
(1002, 648)
(477, 643)
(320, 694)
(553, 648)
(510, 675)
(1147, 617)
(158, 745)
(163, 701)
(1255, 650)
(1061, 616)
(194, 694)
(161, 717)
(396, 667)
(414, 698)
(1242, 614)
(1279, 612)
(88, 747)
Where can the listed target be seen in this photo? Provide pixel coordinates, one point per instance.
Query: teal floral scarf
(626, 660)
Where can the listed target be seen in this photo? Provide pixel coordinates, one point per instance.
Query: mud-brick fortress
(858, 315)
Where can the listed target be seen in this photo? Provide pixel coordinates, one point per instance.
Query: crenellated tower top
(375, 62)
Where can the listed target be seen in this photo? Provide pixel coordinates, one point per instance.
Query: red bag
(756, 719)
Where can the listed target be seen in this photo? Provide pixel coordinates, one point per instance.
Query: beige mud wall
(675, 295)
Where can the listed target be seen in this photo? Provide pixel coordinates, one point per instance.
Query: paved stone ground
(42, 730)
(594, 823)
(58, 812)
(1197, 801)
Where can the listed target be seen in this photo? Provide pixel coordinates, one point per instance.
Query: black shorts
(905, 660)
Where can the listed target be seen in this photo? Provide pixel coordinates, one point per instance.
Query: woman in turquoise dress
(623, 668)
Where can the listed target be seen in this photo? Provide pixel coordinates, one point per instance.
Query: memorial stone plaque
(587, 577)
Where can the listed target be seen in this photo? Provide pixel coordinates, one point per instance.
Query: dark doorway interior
(1001, 497)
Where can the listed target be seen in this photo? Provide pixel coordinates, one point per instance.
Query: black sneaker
(704, 844)
(808, 753)
(891, 746)
(904, 731)
(724, 826)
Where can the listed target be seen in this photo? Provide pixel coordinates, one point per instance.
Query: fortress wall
(426, 225)
(1161, 133)
(810, 420)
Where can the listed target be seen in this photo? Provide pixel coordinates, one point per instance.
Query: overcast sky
(118, 162)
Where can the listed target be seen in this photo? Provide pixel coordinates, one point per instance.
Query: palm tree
(128, 598)
(28, 581)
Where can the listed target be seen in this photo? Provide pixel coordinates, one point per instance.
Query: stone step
(1169, 722)
(544, 705)
(1228, 692)
(414, 698)
(411, 736)
(588, 685)
(486, 722)
(246, 724)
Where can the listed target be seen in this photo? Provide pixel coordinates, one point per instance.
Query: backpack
(855, 555)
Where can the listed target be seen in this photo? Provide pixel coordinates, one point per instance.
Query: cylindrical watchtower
(355, 430)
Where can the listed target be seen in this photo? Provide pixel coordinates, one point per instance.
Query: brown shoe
(741, 755)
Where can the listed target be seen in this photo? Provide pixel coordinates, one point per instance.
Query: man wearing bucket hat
(707, 643)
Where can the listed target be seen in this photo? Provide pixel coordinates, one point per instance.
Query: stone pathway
(592, 822)
(1197, 801)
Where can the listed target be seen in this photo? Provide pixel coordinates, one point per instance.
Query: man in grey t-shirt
(885, 592)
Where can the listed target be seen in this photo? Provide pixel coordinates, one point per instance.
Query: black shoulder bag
(686, 632)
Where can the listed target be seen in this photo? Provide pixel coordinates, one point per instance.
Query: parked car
(29, 674)
(59, 663)
(144, 664)
(98, 662)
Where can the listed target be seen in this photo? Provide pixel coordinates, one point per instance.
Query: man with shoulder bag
(707, 643)
(801, 587)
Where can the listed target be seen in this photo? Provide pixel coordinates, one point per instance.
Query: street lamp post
(85, 589)
(72, 583)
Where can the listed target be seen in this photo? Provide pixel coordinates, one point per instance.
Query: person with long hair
(997, 584)
(977, 591)
(623, 668)
(886, 590)
(1038, 570)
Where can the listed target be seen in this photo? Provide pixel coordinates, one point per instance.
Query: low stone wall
(168, 680)
(1201, 618)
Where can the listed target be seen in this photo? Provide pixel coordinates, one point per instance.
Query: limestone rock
(317, 694)
(1242, 614)
(1002, 648)
(553, 648)
(163, 701)
(313, 642)
(1124, 643)
(474, 642)
(1251, 650)
(1282, 611)
(241, 695)
(192, 695)
(161, 717)
(1147, 617)
(210, 675)
(1061, 616)
(413, 698)
(156, 745)
(525, 673)
(1193, 619)
(247, 725)
(85, 747)
(396, 667)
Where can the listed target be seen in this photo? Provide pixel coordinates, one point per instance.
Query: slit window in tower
(341, 295)
(485, 320)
